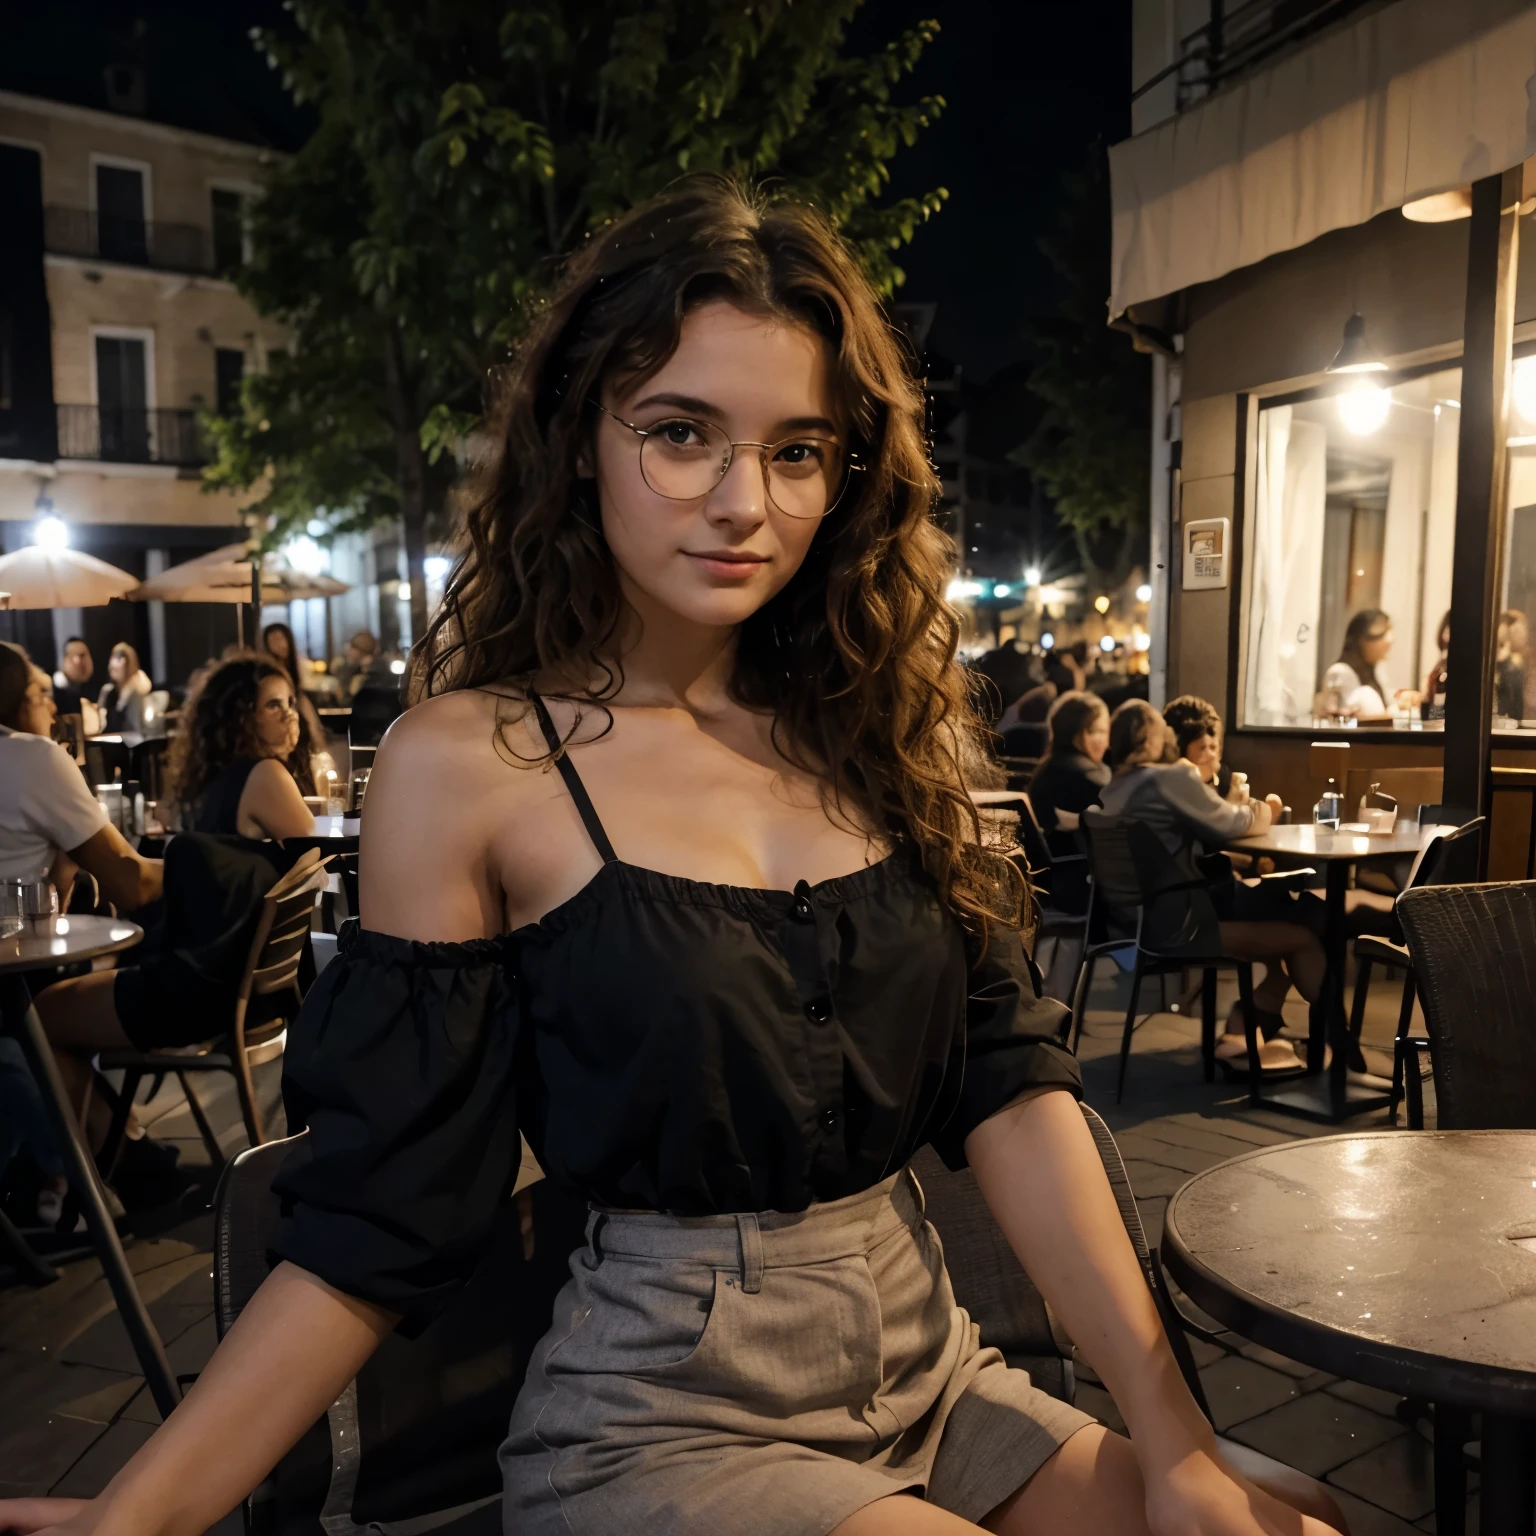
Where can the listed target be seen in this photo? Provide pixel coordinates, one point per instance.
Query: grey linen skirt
(766, 1375)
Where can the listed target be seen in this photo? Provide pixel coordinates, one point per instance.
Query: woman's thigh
(1091, 1485)
(1264, 941)
(79, 1014)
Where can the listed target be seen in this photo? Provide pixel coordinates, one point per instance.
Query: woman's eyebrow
(697, 407)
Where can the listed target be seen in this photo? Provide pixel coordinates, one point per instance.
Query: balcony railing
(131, 437)
(134, 242)
(1239, 38)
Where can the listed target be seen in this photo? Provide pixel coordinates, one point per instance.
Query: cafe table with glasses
(33, 938)
(1333, 1094)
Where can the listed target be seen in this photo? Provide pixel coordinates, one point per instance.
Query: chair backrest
(147, 765)
(1474, 958)
(107, 762)
(1113, 846)
(1028, 739)
(1442, 815)
(1450, 859)
(419, 1428)
(1408, 786)
(278, 943)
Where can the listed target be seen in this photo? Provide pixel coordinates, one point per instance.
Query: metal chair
(1172, 926)
(270, 981)
(107, 762)
(147, 765)
(1450, 859)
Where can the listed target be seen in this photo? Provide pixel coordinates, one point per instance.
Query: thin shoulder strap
(578, 790)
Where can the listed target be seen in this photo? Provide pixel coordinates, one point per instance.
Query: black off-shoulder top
(664, 1044)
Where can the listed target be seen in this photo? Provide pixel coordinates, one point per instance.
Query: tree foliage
(461, 149)
(1091, 448)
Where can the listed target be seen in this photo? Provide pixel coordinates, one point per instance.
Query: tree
(460, 149)
(1091, 448)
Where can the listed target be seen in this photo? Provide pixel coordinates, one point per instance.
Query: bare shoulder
(470, 731)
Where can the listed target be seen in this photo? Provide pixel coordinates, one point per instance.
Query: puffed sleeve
(400, 1065)
(1013, 1040)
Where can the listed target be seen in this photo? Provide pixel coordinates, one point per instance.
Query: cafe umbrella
(39, 577)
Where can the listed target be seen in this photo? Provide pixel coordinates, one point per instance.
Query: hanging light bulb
(1363, 409)
(1356, 355)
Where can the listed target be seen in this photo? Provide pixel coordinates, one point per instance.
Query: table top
(63, 940)
(1314, 842)
(1404, 1259)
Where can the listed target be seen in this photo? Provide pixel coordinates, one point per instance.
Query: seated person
(1350, 685)
(50, 827)
(121, 701)
(241, 763)
(1072, 773)
(1257, 922)
(76, 668)
(1195, 730)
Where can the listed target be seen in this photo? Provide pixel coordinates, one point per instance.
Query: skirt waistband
(756, 1240)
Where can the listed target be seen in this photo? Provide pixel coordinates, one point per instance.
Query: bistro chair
(1450, 859)
(107, 762)
(414, 1436)
(147, 765)
(1170, 925)
(267, 999)
(1408, 786)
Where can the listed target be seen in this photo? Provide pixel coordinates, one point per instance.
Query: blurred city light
(1144, 593)
(1047, 641)
(1101, 602)
(961, 588)
(303, 554)
(397, 667)
(1107, 643)
(1032, 575)
(1000, 590)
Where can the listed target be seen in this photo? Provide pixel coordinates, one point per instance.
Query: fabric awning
(1418, 97)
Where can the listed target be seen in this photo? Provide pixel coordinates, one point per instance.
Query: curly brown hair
(855, 657)
(219, 728)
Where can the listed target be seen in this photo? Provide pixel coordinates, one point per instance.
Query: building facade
(1321, 167)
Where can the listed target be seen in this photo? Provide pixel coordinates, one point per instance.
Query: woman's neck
(671, 662)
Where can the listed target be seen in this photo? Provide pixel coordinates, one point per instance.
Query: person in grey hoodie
(1257, 922)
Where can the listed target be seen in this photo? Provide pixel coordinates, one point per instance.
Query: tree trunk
(410, 470)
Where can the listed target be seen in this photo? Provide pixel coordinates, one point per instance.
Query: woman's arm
(272, 805)
(294, 1348)
(1040, 1174)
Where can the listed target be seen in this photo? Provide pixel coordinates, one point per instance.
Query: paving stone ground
(73, 1407)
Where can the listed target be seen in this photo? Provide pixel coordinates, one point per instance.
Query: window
(228, 229)
(122, 399)
(122, 231)
(229, 367)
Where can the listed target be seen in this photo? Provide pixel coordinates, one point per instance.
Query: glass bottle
(1330, 809)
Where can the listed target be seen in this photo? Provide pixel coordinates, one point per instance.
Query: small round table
(1403, 1259)
(41, 947)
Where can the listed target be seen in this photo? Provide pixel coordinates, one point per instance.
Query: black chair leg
(1250, 1031)
(205, 1130)
(1401, 1049)
(33, 1269)
(112, 1148)
(1208, 1024)
(1130, 1025)
(1413, 1086)
(1080, 991)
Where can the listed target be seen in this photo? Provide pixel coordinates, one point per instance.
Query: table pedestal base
(1322, 1098)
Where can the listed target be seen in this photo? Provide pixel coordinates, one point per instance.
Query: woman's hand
(58, 1517)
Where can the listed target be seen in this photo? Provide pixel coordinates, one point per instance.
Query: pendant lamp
(1356, 355)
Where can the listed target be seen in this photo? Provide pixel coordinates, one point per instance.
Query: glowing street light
(1032, 575)
(1101, 602)
(1144, 593)
(50, 533)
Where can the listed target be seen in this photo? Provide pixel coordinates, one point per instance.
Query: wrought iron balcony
(131, 436)
(134, 242)
(1239, 39)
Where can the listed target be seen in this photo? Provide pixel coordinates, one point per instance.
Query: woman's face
(1376, 642)
(277, 718)
(714, 560)
(117, 667)
(277, 644)
(1093, 739)
(1205, 753)
(38, 711)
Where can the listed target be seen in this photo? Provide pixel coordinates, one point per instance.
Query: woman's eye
(679, 434)
(806, 454)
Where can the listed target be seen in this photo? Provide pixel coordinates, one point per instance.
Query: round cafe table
(1402, 1259)
(42, 946)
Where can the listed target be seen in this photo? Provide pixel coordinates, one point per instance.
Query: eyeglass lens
(686, 459)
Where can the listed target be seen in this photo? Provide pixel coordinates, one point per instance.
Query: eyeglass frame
(853, 460)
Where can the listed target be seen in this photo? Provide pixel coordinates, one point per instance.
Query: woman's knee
(80, 1014)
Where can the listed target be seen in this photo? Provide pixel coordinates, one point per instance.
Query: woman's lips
(728, 567)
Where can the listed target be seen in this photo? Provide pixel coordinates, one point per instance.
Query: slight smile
(732, 564)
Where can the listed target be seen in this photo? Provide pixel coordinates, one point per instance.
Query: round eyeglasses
(684, 459)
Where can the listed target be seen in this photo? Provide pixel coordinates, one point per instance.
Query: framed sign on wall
(1207, 553)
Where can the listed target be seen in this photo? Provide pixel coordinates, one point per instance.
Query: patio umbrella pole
(255, 602)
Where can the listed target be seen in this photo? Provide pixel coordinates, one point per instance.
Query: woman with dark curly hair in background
(241, 762)
(729, 965)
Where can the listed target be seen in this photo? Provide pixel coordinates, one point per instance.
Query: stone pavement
(73, 1408)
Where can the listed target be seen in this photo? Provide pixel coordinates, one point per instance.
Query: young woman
(1352, 678)
(1071, 775)
(1257, 922)
(241, 762)
(719, 962)
(121, 701)
(278, 642)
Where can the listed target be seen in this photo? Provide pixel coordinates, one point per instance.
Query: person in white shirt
(51, 826)
(1350, 685)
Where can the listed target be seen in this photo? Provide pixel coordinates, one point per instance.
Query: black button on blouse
(664, 1044)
